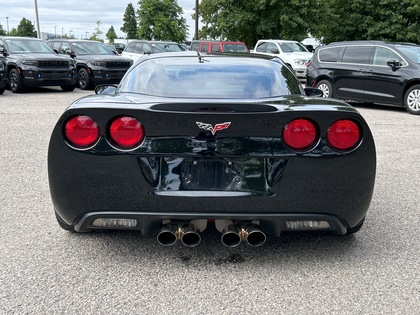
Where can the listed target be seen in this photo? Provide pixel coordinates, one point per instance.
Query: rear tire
(68, 88)
(412, 100)
(2, 90)
(15, 81)
(85, 82)
(326, 87)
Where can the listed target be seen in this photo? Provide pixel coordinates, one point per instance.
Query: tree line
(250, 20)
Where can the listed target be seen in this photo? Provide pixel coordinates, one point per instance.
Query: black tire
(15, 81)
(68, 88)
(326, 87)
(412, 100)
(2, 90)
(356, 228)
(84, 80)
(63, 224)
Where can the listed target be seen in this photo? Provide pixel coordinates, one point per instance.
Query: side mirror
(313, 92)
(106, 89)
(394, 64)
(275, 51)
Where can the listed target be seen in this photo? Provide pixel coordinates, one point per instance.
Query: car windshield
(210, 77)
(412, 52)
(91, 48)
(28, 46)
(292, 47)
(234, 48)
(166, 47)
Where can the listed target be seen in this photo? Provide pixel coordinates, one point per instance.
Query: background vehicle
(222, 46)
(368, 71)
(2, 78)
(294, 54)
(96, 63)
(30, 62)
(137, 48)
(119, 47)
(186, 141)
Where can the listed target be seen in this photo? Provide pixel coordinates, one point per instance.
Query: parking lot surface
(46, 270)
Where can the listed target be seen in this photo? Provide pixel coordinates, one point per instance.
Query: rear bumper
(151, 223)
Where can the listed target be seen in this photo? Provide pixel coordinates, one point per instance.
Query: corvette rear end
(170, 166)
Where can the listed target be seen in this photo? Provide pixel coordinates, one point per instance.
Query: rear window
(333, 54)
(214, 78)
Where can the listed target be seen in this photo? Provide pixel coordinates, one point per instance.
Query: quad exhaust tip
(251, 234)
(171, 233)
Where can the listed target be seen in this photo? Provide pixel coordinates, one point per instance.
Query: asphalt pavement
(46, 270)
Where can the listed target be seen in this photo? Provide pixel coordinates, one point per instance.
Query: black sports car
(188, 140)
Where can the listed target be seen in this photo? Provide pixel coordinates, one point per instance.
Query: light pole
(62, 32)
(55, 31)
(196, 19)
(38, 29)
(7, 19)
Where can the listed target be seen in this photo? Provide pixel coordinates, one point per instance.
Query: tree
(97, 32)
(388, 20)
(111, 35)
(251, 20)
(161, 20)
(130, 23)
(2, 31)
(25, 28)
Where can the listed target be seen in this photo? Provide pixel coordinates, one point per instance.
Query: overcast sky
(79, 16)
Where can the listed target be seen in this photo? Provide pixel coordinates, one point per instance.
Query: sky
(77, 16)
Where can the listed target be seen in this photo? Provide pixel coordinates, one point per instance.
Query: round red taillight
(299, 134)
(126, 132)
(81, 132)
(343, 134)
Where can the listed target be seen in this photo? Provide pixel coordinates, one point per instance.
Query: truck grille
(53, 64)
(118, 64)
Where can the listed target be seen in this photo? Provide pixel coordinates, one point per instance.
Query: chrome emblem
(214, 129)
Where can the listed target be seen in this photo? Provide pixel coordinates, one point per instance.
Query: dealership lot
(46, 270)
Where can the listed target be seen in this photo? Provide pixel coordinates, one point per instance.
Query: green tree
(97, 32)
(111, 35)
(251, 20)
(130, 23)
(161, 20)
(388, 20)
(25, 28)
(2, 31)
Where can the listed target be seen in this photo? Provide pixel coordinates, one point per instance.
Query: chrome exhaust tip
(166, 236)
(191, 238)
(255, 236)
(231, 236)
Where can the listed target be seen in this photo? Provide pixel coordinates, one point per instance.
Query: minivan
(368, 71)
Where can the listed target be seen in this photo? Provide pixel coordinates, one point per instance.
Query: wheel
(85, 82)
(2, 90)
(68, 88)
(15, 82)
(326, 88)
(412, 100)
(63, 224)
(356, 228)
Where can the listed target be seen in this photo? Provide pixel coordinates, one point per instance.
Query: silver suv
(137, 48)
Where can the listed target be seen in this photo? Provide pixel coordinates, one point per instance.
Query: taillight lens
(81, 132)
(126, 132)
(344, 134)
(299, 134)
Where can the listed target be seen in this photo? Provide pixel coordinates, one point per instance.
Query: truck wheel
(85, 82)
(15, 81)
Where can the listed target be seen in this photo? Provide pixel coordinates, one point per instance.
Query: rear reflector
(126, 133)
(114, 223)
(299, 134)
(343, 135)
(307, 225)
(81, 132)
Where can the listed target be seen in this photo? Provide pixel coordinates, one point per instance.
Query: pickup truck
(294, 54)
